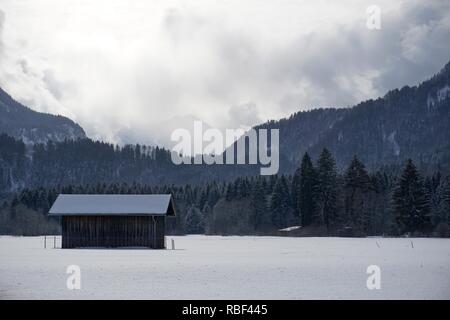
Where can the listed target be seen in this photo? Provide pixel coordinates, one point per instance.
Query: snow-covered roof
(290, 228)
(112, 204)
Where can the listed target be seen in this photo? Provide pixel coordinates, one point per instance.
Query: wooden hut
(111, 220)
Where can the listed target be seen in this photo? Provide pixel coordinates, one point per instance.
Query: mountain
(412, 122)
(33, 127)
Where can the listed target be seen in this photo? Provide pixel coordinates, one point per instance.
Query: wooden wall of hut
(113, 231)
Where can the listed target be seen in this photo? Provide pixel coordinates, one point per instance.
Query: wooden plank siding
(113, 231)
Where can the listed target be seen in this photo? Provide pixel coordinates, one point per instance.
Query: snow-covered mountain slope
(33, 127)
(411, 122)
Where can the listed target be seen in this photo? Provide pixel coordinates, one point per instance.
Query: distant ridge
(411, 122)
(34, 127)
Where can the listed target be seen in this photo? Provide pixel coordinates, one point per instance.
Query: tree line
(323, 201)
(83, 161)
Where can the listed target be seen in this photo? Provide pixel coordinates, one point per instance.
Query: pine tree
(306, 193)
(436, 187)
(410, 201)
(447, 198)
(326, 190)
(357, 185)
(295, 192)
(258, 216)
(213, 195)
(207, 219)
(382, 218)
(230, 193)
(194, 221)
(279, 203)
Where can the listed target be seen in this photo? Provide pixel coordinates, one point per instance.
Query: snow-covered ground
(212, 267)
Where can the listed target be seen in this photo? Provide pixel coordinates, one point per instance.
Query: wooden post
(45, 242)
(54, 242)
(173, 244)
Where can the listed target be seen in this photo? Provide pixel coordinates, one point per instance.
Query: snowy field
(212, 267)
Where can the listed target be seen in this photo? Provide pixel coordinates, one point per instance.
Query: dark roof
(112, 204)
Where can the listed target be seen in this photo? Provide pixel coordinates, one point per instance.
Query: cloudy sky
(130, 71)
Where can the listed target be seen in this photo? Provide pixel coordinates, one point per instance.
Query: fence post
(54, 242)
(173, 244)
(45, 242)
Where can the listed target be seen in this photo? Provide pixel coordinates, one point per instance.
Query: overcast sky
(130, 71)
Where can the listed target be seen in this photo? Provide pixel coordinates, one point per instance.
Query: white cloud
(128, 71)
